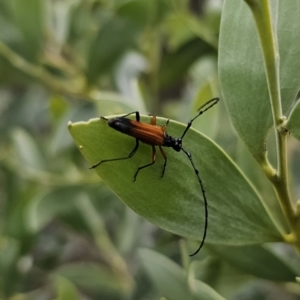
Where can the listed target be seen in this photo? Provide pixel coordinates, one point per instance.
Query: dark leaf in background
(181, 60)
(29, 18)
(115, 38)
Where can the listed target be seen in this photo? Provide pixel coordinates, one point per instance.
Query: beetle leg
(165, 157)
(148, 165)
(121, 158)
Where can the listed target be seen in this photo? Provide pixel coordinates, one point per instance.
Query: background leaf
(242, 75)
(65, 289)
(168, 277)
(172, 281)
(91, 276)
(256, 260)
(184, 57)
(115, 38)
(289, 51)
(29, 19)
(203, 291)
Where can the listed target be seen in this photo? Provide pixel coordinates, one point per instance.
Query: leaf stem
(263, 19)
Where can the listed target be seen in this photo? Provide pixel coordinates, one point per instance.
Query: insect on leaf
(175, 202)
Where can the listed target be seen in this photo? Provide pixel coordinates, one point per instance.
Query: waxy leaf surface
(175, 202)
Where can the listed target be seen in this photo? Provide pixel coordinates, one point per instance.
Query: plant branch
(70, 87)
(262, 16)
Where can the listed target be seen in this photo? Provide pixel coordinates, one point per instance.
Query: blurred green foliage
(64, 233)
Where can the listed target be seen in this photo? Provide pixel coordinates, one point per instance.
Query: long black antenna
(206, 106)
(204, 198)
(214, 101)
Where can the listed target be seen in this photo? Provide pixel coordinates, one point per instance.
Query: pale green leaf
(91, 276)
(168, 278)
(242, 74)
(202, 291)
(27, 153)
(171, 280)
(65, 289)
(289, 49)
(174, 203)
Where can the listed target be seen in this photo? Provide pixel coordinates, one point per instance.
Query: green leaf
(181, 60)
(48, 206)
(128, 231)
(57, 106)
(209, 122)
(65, 289)
(219, 274)
(289, 49)
(256, 260)
(111, 104)
(26, 150)
(62, 203)
(293, 123)
(174, 203)
(176, 25)
(242, 74)
(171, 280)
(166, 275)
(256, 175)
(115, 38)
(9, 34)
(91, 276)
(9, 256)
(29, 17)
(202, 291)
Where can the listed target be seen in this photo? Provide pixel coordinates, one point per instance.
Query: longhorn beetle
(154, 135)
